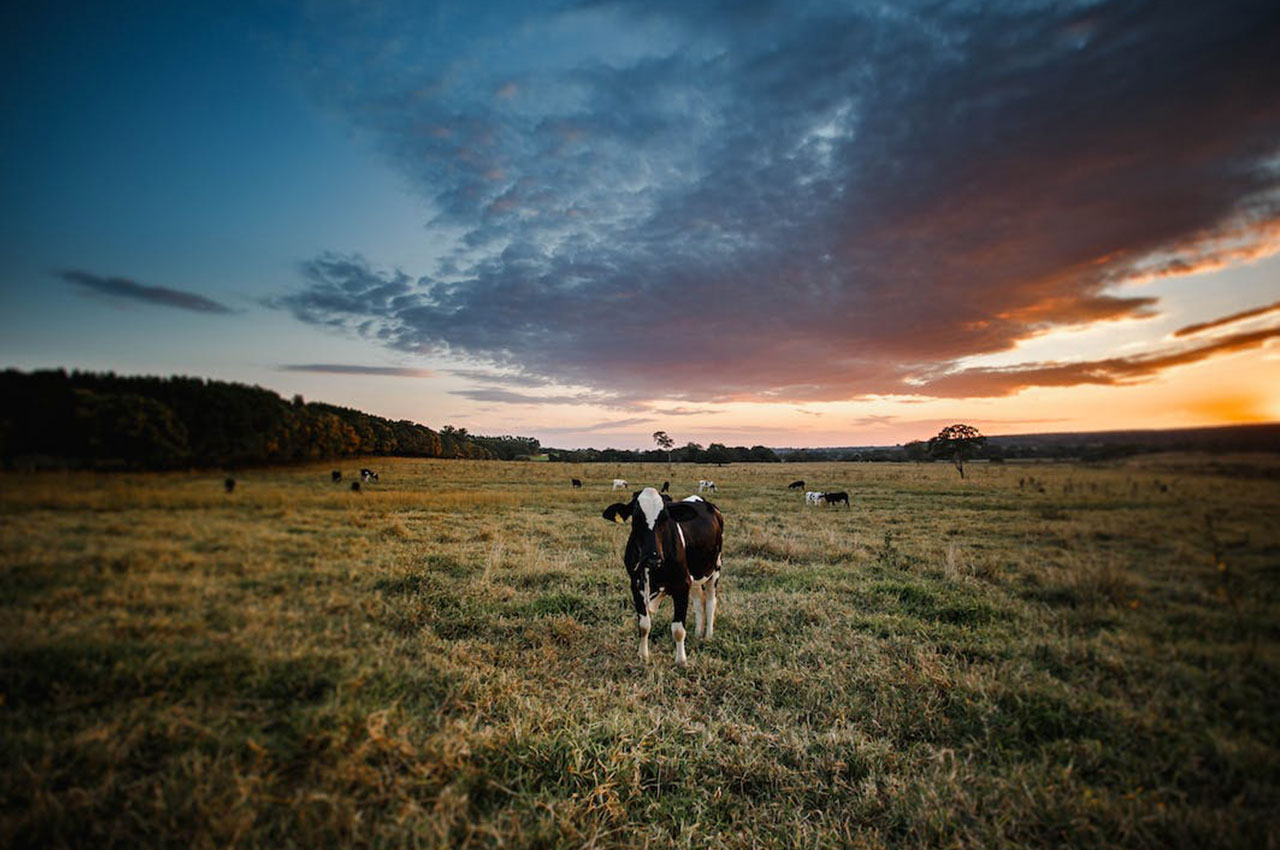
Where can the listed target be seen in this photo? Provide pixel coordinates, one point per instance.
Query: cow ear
(666, 499)
(617, 512)
(682, 511)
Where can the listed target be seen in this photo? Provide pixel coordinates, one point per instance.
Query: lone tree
(664, 442)
(957, 443)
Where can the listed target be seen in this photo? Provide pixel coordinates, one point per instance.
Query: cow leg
(643, 622)
(699, 605)
(680, 598)
(711, 602)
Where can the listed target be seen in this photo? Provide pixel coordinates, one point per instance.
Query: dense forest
(105, 421)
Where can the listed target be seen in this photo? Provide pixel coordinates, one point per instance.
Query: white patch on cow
(693, 499)
(651, 505)
(678, 632)
(812, 497)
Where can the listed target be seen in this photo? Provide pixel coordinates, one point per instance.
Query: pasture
(448, 659)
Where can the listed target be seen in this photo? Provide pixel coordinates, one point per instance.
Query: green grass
(448, 659)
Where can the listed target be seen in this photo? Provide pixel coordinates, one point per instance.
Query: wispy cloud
(131, 290)
(1200, 327)
(341, 369)
(505, 396)
(985, 382)
(678, 207)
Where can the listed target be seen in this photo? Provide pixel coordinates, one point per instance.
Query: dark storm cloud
(121, 287)
(714, 203)
(339, 369)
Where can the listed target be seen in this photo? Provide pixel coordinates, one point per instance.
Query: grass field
(1039, 655)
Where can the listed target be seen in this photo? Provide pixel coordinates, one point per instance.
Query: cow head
(649, 512)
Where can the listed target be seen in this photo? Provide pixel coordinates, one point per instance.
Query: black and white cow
(836, 498)
(706, 485)
(368, 475)
(619, 484)
(796, 485)
(674, 550)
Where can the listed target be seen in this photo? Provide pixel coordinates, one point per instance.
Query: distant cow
(355, 486)
(674, 549)
(666, 485)
(796, 485)
(812, 497)
(230, 484)
(619, 484)
(836, 498)
(709, 486)
(368, 475)
(336, 475)
(577, 483)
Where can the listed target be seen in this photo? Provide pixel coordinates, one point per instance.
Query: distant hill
(1080, 444)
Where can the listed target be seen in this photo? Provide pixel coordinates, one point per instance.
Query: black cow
(674, 550)
(796, 485)
(577, 483)
(666, 485)
(336, 475)
(355, 486)
(230, 484)
(836, 498)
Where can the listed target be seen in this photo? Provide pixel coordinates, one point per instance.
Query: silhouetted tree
(957, 443)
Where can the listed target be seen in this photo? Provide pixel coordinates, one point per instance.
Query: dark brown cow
(674, 550)
(836, 498)
(796, 485)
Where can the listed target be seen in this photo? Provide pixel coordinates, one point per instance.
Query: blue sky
(798, 223)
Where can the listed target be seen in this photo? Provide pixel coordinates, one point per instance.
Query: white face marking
(651, 505)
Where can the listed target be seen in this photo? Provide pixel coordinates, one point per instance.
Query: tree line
(688, 453)
(103, 420)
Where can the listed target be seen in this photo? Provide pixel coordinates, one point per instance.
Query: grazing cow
(577, 483)
(666, 485)
(368, 475)
(336, 475)
(355, 486)
(836, 498)
(812, 497)
(674, 550)
(707, 485)
(796, 485)
(230, 484)
(619, 484)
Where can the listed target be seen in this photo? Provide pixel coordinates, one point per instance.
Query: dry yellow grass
(1037, 655)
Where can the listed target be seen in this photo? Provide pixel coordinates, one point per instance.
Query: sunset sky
(784, 223)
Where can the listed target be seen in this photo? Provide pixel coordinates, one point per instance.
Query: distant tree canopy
(108, 421)
(957, 443)
(689, 453)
